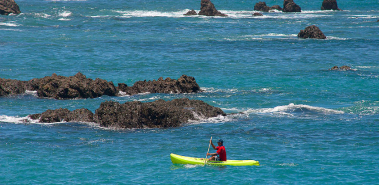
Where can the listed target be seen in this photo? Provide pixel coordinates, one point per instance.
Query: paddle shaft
(208, 151)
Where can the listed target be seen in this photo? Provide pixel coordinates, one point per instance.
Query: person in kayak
(220, 154)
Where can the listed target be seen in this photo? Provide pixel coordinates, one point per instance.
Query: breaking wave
(294, 110)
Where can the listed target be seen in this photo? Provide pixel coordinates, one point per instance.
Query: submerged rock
(9, 6)
(311, 32)
(257, 14)
(290, 6)
(208, 9)
(342, 68)
(191, 12)
(329, 5)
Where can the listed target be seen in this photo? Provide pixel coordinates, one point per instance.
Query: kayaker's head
(220, 142)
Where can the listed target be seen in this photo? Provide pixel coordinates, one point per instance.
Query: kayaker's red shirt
(221, 152)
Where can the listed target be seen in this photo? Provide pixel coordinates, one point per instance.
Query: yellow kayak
(178, 159)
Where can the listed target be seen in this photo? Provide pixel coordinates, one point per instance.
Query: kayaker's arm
(214, 147)
(212, 154)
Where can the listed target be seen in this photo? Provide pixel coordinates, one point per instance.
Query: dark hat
(220, 141)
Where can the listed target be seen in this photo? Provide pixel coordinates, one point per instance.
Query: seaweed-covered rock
(9, 6)
(208, 9)
(311, 32)
(329, 5)
(191, 12)
(157, 114)
(290, 6)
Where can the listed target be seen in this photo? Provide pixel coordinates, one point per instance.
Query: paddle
(205, 161)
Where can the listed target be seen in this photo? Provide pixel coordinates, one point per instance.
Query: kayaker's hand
(208, 154)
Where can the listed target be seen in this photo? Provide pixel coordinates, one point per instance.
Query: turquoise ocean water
(303, 123)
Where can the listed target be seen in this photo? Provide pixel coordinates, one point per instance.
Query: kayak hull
(178, 159)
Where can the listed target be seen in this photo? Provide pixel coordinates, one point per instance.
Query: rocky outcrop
(342, 68)
(157, 114)
(59, 115)
(79, 86)
(257, 14)
(185, 84)
(311, 32)
(9, 6)
(11, 87)
(261, 6)
(191, 12)
(208, 9)
(329, 5)
(290, 6)
(276, 7)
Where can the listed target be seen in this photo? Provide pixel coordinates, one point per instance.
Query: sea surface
(304, 123)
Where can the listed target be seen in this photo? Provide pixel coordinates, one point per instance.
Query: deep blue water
(303, 123)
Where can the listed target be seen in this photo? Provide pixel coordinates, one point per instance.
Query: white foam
(292, 108)
(10, 24)
(143, 13)
(34, 93)
(336, 38)
(201, 119)
(16, 119)
(65, 14)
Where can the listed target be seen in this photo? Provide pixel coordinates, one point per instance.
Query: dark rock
(191, 12)
(311, 32)
(9, 6)
(35, 116)
(78, 86)
(59, 115)
(51, 116)
(185, 84)
(11, 87)
(81, 115)
(290, 6)
(342, 68)
(157, 114)
(208, 9)
(261, 6)
(276, 7)
(257, 14)
(329, 5)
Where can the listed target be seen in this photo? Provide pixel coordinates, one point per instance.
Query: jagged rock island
(157, 114)
(9, 6)
(311, 32)
(79, 86)
(329, 5)
(290, 6)
(207, 8)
